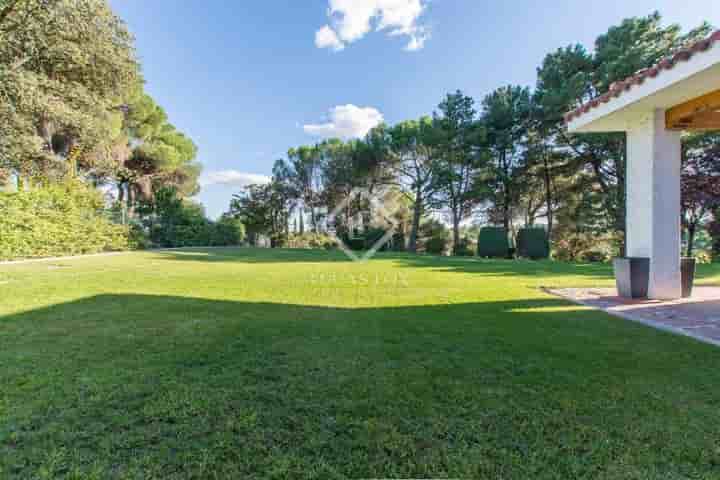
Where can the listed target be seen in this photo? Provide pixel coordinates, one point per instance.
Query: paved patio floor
(697, 317)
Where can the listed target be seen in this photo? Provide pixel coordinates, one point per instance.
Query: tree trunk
(456, 233)
(130, 201)
(691, 239)
(548, 196)
(417, 212)
(313, 219)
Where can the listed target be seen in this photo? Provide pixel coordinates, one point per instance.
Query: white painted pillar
(653, 202)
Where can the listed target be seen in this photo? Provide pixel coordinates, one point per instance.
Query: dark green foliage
(532, 243)
(228, 231)
(372, 236)
(355, 243)
(435, 237)
(398, 242)
(464, 248)
(63, 219)
(309, 240)
(493, 242)
(174, 222)
(436, 245)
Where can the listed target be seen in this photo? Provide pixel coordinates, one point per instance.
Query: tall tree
(66, 67)
(506, 118)
(460, 141)
(414, 156)
(157, 154)
(572, 76)
(307, 167)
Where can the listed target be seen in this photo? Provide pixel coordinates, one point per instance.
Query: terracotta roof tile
(617, 88)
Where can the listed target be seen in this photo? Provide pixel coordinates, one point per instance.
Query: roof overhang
(679, 83)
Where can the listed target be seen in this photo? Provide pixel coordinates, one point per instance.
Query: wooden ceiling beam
(697, 114)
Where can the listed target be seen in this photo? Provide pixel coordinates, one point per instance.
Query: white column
(653, 202)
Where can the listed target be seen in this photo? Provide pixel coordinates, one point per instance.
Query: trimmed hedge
(532, 243)
(57, 220)
(494, 242)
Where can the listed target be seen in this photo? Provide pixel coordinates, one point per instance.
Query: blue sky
(249, 79)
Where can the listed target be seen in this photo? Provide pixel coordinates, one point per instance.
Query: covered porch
(654, 107)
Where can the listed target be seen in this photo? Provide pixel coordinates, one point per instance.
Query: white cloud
(351, 20)
(327, 38)
(232, 178)
(347, 121)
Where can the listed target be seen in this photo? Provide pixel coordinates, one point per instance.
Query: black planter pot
(632, 276)
(687, 270)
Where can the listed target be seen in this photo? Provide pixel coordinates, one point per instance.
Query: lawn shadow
(117, 382)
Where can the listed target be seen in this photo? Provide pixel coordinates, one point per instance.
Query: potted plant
(632, 276)
(687, 271)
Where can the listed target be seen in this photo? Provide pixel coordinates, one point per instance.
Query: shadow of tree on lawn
(177, 386)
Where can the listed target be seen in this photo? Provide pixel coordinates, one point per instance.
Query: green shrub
(372, 236)
(493, 242)
(436, 245)
(434, 237)
(228, 232)
(585, 247)
(399, 244)
(464, 248)
(58, 220)
(311, 240)
(355, 243)
(174, 222)
(532, 243)
(594, 256)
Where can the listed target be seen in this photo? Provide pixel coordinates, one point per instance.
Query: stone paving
(697, 317)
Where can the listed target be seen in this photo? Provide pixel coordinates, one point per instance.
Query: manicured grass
(285, 364)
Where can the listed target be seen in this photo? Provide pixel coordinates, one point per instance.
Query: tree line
(74, 111)
(506, 160)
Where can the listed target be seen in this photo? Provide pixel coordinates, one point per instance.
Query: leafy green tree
(506, 118)
(572, 76)
(156, 155)
(460, 140)
(413, 163)
(306, 165)
(66, 67)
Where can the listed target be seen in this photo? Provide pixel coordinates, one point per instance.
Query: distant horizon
(224, 77)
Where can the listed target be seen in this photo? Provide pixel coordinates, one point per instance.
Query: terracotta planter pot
(632, 276)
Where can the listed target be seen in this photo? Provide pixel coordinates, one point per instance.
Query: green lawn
(285, 364)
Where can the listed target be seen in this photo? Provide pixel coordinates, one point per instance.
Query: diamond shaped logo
(378, 208)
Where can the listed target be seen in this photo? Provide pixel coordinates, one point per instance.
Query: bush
(464, 249)
(228, 232)
(372, 236)
(399, 244)
(595, 256)
(311, 241)
(494, 242)
(434, 237)
(532, 243)
(58, 220)
(585, 247)
(436, 245)
(174, 222)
